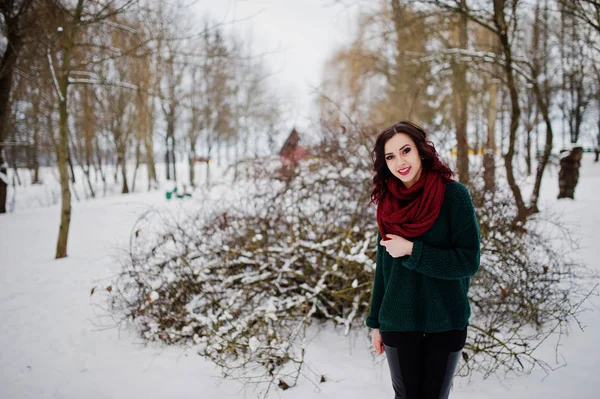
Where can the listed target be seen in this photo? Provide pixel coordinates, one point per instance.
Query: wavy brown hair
(426, 149)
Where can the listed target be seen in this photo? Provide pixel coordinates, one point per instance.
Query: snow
(253, 343)
(54, 343)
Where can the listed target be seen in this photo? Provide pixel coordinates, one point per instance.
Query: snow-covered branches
(241, 286)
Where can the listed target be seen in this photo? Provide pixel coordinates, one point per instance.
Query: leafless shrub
(528, 289)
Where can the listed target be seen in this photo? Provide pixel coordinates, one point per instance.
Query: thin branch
(54, 79)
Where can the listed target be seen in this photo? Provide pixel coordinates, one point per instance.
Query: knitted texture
(427, 290)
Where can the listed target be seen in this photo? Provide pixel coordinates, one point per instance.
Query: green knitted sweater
(427, 290)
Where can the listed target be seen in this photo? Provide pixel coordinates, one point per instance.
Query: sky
(298, 35)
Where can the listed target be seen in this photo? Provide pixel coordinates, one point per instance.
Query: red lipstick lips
(407, 171)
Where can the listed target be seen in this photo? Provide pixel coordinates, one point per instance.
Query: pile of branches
(242, 283)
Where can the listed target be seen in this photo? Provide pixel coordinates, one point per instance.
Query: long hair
(425, 148)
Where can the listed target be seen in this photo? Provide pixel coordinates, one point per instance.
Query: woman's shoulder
(456, 187)
(456, 191)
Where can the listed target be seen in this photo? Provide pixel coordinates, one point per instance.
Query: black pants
(423, 364)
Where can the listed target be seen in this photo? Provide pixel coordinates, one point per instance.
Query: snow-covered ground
(52, 343)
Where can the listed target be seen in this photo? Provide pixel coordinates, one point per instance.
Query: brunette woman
(427, 251)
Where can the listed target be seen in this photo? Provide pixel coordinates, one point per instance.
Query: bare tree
(68, 70)
(501, 25)
(13, 22)
(577, 90)
(62, 85)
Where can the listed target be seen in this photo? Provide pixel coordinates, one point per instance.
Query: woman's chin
(406, 179)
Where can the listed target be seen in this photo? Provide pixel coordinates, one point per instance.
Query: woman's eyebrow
(401, 148)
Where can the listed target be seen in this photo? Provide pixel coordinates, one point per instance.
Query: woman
(427, 251)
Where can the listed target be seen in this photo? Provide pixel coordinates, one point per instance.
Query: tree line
(87, 84)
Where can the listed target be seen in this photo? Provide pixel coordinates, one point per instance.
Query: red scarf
(410, 212)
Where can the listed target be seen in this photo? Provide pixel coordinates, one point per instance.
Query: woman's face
(403, 159)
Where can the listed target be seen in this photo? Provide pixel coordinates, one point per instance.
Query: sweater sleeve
(378, 289)
(459, 261)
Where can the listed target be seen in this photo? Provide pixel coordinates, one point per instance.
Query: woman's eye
(389, 157)
(406, 151)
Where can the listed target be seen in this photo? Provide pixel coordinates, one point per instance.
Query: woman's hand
(397, 246)
(377, 342)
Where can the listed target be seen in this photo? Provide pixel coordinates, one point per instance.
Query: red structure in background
(291, 152)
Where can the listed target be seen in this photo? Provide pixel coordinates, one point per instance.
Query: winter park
(299, 199)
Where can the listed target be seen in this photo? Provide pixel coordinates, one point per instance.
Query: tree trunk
(71, 166)
(146, 130)
(116, 171)
(191, 157)
(191, 167)
(99, 169)
(543, 108)
(173, 160)
(149, 153)
(138, 160)
(515, 113)
(406, 84)
(489, 156)
(33, 162)
(461, 103)
(15, 156)
(86, 172)
(168, 157)
(35, 156)
(125, 189)
(597, 151)
(7, 67)
(149, 143)
(63, 137)
(62, 154)
(209, 153)
(3, 181)
(528, 149)
(88, 137)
